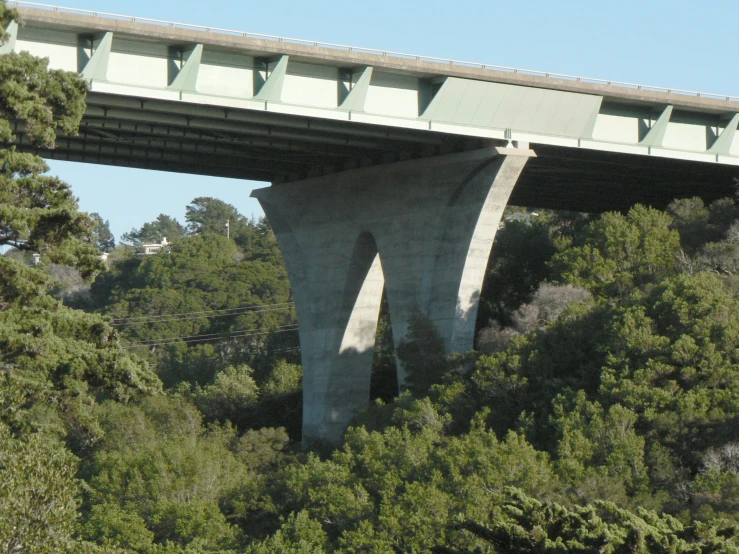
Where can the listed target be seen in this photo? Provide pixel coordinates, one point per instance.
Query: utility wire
(211, 336)
(224, 333)
(207, 313)
(186, 317)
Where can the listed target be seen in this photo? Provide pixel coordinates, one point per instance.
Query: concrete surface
(423, 229)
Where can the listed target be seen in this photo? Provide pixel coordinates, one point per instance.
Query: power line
(197, 315)
(262, 330)
(211, 336)
(212, 312)
(185, 317)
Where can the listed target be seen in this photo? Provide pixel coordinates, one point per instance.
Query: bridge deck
(204, 102)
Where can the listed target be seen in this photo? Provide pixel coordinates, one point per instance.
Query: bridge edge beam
(96, 68)
(656, 133)
(354, 101)
(187, 79)
(726, 138)
(271, 90)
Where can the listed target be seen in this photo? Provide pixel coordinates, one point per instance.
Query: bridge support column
(423, 229)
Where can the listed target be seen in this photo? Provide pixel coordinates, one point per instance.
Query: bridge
(389, 171)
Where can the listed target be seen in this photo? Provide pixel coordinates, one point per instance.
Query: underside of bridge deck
(170, 136)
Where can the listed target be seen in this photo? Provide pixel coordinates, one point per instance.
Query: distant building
(37, 258)
(153, 248)
(517, 216)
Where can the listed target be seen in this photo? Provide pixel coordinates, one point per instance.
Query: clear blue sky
(680, 44)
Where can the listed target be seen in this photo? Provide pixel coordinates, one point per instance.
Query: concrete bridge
(388, 170)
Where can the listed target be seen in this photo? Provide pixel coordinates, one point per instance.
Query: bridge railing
(390, 53)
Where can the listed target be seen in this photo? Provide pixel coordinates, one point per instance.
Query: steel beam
(656, 134)
(187, 78)
(726, 138)
(354, 102)
(271, 91)
(97, 67)
(9, 45)
(251, 117)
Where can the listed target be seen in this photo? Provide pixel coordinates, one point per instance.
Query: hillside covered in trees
(156, 409)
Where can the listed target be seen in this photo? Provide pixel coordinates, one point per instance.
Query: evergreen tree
(210, 215)
(102, 237)
(155, 231)
(38, 212)
(55, 362)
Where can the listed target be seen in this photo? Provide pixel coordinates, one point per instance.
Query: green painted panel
(724, 141)
(583, 116)
(502, 106)
(97, 68)
(489, 106)
(466, 110)
(187, 78)
(508, 108)
(568, 104)
(444, 105)
(272, 89)
(656, 134)
(9, 45)
(545, 112)
(358, 94)
(532, 99)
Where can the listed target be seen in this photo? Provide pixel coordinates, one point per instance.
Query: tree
(201, 274)
(232, 393)
(298, 535)
(617, 252)
(38, 212)
(102, 237)
(48, 351)
(210, 215)
(523, 525)
(160, 472)
(155, 231)
(55, 363)
(518, 263)
(38, 495)
(422, 354)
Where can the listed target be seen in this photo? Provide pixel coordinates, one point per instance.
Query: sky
(678, 44)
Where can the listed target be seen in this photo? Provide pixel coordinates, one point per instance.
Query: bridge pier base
(423, 229)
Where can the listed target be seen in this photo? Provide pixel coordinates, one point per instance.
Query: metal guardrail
(375, 51)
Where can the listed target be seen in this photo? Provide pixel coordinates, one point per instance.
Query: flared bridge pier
(422, 229)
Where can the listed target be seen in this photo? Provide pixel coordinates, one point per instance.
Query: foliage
(548, 303)
(525, 525)
(422, 355)
(53, 355)
(232, 391)
(102, 237)
(617, 252)
(38, 212)
(55, 363)
(518, 264)
(155, 231)
(159, 475)
(207, 215)
(38, 495)
(199, 275)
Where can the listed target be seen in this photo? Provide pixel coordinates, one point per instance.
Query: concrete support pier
(423, 229)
